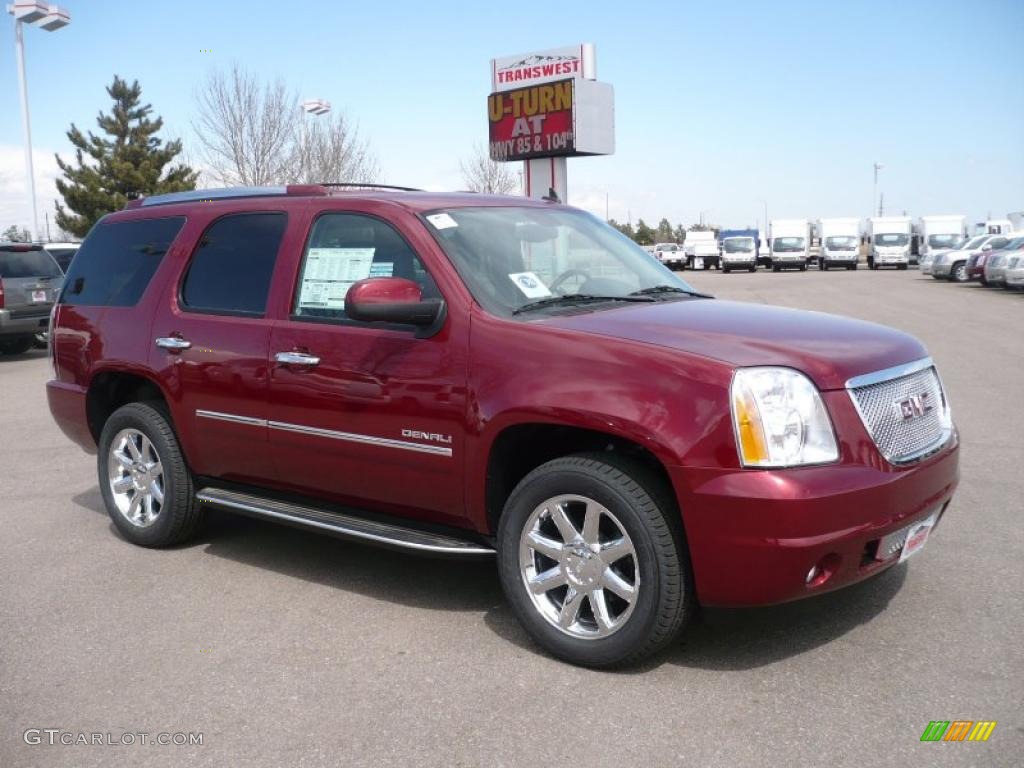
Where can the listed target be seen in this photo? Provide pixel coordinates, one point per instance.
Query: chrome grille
(905, 414)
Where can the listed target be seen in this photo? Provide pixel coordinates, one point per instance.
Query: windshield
(27, 264)
(892, 239)
(1016, 244)
(738, 245)
(841, 243)
(513, 256)
(943, 241)
(664, 247)
(787, 244)
(973, 243)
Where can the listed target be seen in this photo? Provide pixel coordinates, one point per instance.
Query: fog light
(823, 570)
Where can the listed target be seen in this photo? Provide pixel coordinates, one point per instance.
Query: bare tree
(329, 149)
(245, 129)
(481, 174)
(252, 133)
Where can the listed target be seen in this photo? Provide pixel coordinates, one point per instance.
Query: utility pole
(874, 190)
(881, 204)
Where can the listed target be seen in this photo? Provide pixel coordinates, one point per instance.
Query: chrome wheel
(136, 477)
(579, 567)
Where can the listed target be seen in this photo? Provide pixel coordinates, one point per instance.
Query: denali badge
(432, 436)
(915, 406)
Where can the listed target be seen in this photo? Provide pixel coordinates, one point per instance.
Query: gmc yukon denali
(481, 376)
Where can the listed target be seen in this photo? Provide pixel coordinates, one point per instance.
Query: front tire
(593, 560)
(145, 482)
(959, 272)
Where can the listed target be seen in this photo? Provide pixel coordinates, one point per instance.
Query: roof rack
(234, 193)
(226, 193)
(357, 185)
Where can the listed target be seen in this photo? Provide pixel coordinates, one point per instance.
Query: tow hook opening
(823, 570)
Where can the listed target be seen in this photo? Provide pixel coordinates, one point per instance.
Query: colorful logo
(958, 730)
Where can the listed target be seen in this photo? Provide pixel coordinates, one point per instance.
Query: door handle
(173, 343)
(297, 358)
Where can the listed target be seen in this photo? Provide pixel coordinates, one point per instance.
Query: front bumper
(739, 263)
(889, 259)
(1015, 279)
(755, 534)
(24, 322)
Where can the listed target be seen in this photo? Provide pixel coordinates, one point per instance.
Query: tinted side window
(233, 263)
(344, 248)
(117, 261)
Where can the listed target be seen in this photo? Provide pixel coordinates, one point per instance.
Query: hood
(828, 348)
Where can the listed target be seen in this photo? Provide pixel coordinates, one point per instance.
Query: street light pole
(26, 125)
(50, 18)
(874, 190)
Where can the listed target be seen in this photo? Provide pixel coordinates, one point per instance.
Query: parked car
(1015, 273)
(995, 265)
(29, 282)
(925, 261)
(978, 259)
(62, 253)
(472, 376)
(952, 265)
(670, 254)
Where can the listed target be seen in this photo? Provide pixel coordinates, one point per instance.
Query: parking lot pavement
(285, 648)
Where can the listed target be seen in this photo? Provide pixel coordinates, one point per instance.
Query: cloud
(14, 199)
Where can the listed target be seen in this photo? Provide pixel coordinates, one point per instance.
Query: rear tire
(19, 345)
(592, 607)
(145, 482)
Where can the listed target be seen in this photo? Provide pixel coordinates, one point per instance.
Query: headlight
(779, 419)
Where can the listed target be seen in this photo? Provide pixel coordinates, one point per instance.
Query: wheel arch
(518, 447)
(111, 388)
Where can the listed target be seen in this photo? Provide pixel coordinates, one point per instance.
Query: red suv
(468, 375)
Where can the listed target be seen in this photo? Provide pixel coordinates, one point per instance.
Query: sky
(721, 107)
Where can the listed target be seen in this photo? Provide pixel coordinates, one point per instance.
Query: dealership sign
(571, 61)
(566, 118)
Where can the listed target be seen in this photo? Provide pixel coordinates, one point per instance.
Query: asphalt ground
(284, 648)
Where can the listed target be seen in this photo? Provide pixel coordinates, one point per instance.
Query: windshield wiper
(657, 289)
(574, 298)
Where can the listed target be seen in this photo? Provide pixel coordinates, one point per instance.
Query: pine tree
(644, 234)
(126, 163)
(663, 234)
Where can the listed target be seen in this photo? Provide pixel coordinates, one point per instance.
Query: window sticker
(382, 269)
(330, 272)
(442, 221)
(531, 285)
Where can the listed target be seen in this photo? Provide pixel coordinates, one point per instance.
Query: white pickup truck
(670, 254)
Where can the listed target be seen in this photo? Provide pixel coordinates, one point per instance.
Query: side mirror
(986, 247)
(392, 300)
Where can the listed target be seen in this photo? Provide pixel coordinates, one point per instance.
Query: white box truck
(790, 241)
(889, 242)
(840, 243)
(939, 233)
(701, 250)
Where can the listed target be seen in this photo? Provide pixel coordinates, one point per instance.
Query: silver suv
(30, 281)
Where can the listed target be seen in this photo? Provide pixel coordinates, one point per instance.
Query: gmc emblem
(915, 406)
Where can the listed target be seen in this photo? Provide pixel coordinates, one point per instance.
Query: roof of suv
(417, 201)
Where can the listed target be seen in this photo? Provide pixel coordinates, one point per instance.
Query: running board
(342, 524)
